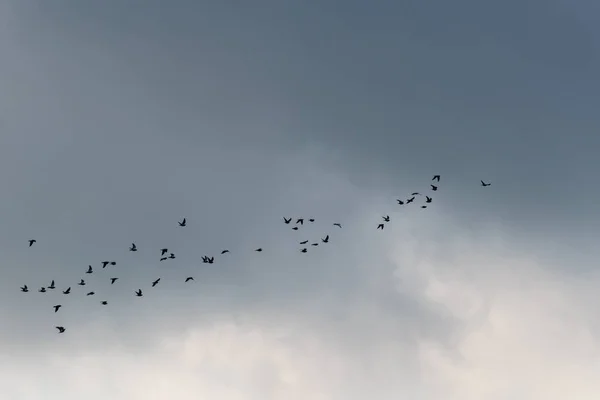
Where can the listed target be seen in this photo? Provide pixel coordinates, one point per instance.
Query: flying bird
(304, 242)
(113, 280)
(104, 302)
(386, 218)
(300, 221)
(314, 244)
(105, 263)
(433, 187)
(113, 263)
(67, 291)
(42, 290)
(326, 240)
(311, 220)
(182, 223)
(287, 220)
(225, 251)
(52, 285)
(60, 329)
(133, 247)
(90, 294)
(189, 278)
(31, 242)
(436, 178)
(163, 251)
(155, 282)
(163, 258)
(416, 194)
(295, 228)
(89, 271)
(259, 249)
(56, 307)
(423, 206)
(138, 293)
(428, 199)
(485, 184)
(410, 200)
(338, 225)
(81, 283)
(380, 226)
(24, 289)
(400, 202)
(304, 250)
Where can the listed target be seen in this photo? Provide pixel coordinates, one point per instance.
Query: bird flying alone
(56, 307)
(138, 293)
(485, 184)
(338, 225)
(428, 199)
(225, 251)
(24, 289)
(436, 178)
(154, 283)
(326, 240)
(60, 329)
(90, 270)
(113, 280)
(189, 278)
(31, 242)
(67, 291)
(133, 247)
(182, 223)
(380, 226)
(433, 187)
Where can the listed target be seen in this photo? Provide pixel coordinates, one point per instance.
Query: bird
(211, 260)
(326, 240)
(423, 206)
(138, 293)
(287, 220)
(105, 263)
(31, 242)
(338, 225)
(295, 228)
(172, 255)
(400, 202)
(428, 199)
(113, 263)
(300, 221)
(311, 220)
(225, 251)
(386, 218)
(436, 178)
(410, 200)
(433, 187)
(182, 223)
(304, 250)
(380, 226)
(163, 258)
(104, 302)
(259, 249)
(189, 278)
(42, 290)
(163, 251)
(304, 242)
(81, 283)
(155, 282)
(90, 294)
(416, 194)
(485, 184)
(24, 289)
(60, 329)
(314, 244)
(52, 285)
(90, 270)
(113, 280)
(133, 247)
(56, 307)
(67, 291)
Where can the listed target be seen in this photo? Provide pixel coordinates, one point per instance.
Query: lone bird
(91, 294)
(326, 240)
(259, 249)
(386, 218)
(89, 271)
(423, 206)
(52, 285)
(133, 247)
(138, 293)
(24, 289)
(155, 282)
(67, 291)
(338, 225)
(163, 251)
(60, 329)
(433, 187)
(81, 283)
(56, 307)
(225, 251)
(485, 184)
(182, 223)
(113, 263)
(104, 302)
(400, 202)
(189, 278)
(380, 226)
(436, 178)
(287, 220)
(31, 242)
(163, 258)
(113, 280)
(428, 199)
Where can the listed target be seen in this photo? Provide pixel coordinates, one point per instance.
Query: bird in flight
(105, 263)
(113, 263)
(60, 329)
(52, 285)
(287, 220)
(300, 221)
(172, 255)
(42, 290)
(133, 247)
(304, 250)
(304, 242)
(155, 282)
(436, 178)
(410, 200)
(163, 258)
(386, 218)
(259, 249)
(338, 225)
(91, 294)
(380, 226)
(295, 228)
(113, 280)
(400, 202)
(182, 223)
(326, 240)
(138, 293)
(210, 260)
(314, 244)
(189, 278)
(416, 194)
(428, 199)
(433, 187)
(485, 184)
(104, 302)
(81, 283)
(67, 291)
(56, 307)
(89, 271)
(311, 220)
(225, 251)
(24, 289)
(31, 242)
(163, 251)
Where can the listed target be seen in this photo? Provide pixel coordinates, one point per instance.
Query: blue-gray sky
(118, 118)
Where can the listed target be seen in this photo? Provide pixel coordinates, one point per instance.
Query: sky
(120, 118)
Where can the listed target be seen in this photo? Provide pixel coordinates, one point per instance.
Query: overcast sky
(119, 118)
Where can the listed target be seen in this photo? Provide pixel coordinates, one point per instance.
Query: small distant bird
(89, 271)
(428, 199)
(104, 302)
(386, 218)
(81, 283)
(90, 294)
(380, 226)
(113, 263)
(400, 202)
(67, 291)
(410, 200)
(338, 225)
(172, 255)
(311, 220)
(189, 278)
(105, 263)
(205, 259)
(416, 194)
(304, 242)
(485, 184)
(163, 259)
(304, 250)
(300, 221)
(56, 307)
(42, 290)
(326, 240)
(225, 251)
(314, 244)
(423, 206)
(182, 223)
(163, 251)
(211, 260)
(433, 187)
(138, 293)
(133, 247)
(52, 285)
(295, 228)
(113, 280)
(155, 282)
(31, 242)
(60, 329)
(287, 220)
(259, 249)
(24, 289)
(436, 178)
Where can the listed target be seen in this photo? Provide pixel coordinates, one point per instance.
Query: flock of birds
(211, 260)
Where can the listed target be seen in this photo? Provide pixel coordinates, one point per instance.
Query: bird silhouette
(42, 290)
(304, 250)
(189, 278)
(133, 247)
(295, 228)
(56, 307)
(225, 251)
(428, 199)
(380, 226)
(300, 221)
(410, 200)
(326, 240)
(211, 260)
(31, 242)
(386, 218)
(113, 263)
(416, 194)
(433, 187)
(423, 206)
(172, 255)
(113, 280)
(52, 285)
(259, 249)
(155, 282)
(163, 258)
(304, 242)
(61, 329)
(67, 291)
(104, 302)
(338, 225)
(287, 220)
(163, 251)
(90, 270)
(436, 178)
(182, 223)
(105, 263)
(91, 294)
(311, 220)
(485, 184)
(314, 244)
(138, 293)
(24, 289)
(400, 202)
(81, 283)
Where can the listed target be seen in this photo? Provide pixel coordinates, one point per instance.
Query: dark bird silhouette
(90, 294)
(485, 184)
(433, 187)
(24, 289)
(211, 260)
(428, 199)
(423, 206)
(67, 291)
(163, 251)
(60, 329)
(380, 226)
(410, 200)
(326, 240)
(42, 290)
(155, 282)
(338, 225)
(138, 293)
(189, 278)
(259, 249)
(225, 251)
(113, 263)
(81, 283)
(31, 242)
(314, 244)
(386, 218)
(133, 247)
(163, 259)
(416, 194)
(304, 250)
(56, 307)
(205, 259)
(113, 280)
(104, 302)
(90, 270)
(182, 223)
(295, 228)
(400, 202)
(52, 285)
(287, 220)
(105, 263)
(304, 242)
(436, 178)
(300, 221)
(311, 220)
(172, 255)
